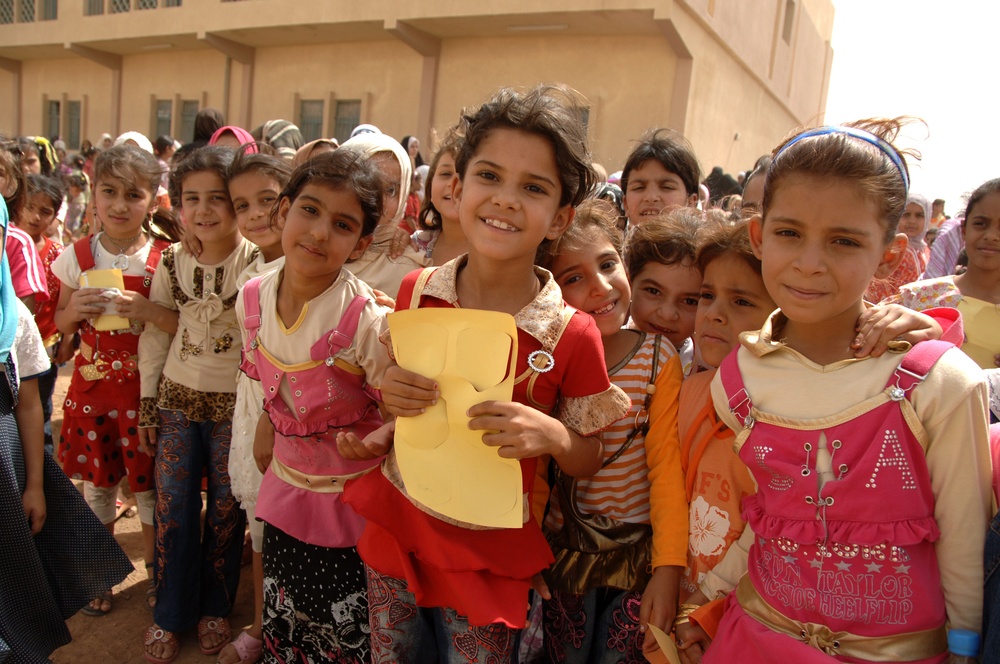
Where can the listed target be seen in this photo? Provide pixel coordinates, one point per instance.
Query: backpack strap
(341, 336)
(418, 286)
(641, 425)
(153, 260)
(916, 364)
(251, 323)
(740, 403)
(84, 254)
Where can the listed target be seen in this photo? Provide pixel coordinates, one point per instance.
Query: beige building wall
(709, 68)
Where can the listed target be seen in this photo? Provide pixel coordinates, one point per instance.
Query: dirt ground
(118, 636)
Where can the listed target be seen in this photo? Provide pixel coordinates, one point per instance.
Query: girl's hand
(539, 586)
(85, 304)
(65, 350)
(374, 445)
(519, 431)
(191, 244)
(877, 326)
(147, 440)
(659, 604)
(263, 443)
(407, 394)
(33, 500)
(692, 642)
(134, 306)
(383, 299)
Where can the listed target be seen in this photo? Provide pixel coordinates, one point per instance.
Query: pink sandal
(247, 647)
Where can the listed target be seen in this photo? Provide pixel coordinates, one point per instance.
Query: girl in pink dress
(865, 538)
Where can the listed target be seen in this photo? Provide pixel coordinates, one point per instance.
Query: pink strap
(732, 381)
(251, 323)
(340, 337)
(916, 364)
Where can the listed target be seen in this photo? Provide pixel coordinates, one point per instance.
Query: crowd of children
(749, 429)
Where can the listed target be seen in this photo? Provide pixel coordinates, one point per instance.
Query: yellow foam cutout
(445, 465)
(111, 278)
(981, 321)
(667, 654)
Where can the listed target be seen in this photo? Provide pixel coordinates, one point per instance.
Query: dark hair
(214, 158)
(45, 160)
(343, 170)
(263, 162)
(76, 180)
(759, 169)
(840, 155)
(938, 201)
(722, 237)
(593, 213)
(207, 122)
(419, 159)
(986, 188)
(161, 144)
(551, 112)
(672, 151)
(668, 239)
(429, 217)
(10, 169)
(49, 187)
(138, 169)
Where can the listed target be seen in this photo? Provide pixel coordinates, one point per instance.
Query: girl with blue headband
(56, 554)
(865, 539)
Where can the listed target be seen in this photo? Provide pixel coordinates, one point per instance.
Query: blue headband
(860, 134)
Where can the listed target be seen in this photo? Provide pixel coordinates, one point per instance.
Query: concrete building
(733, 75)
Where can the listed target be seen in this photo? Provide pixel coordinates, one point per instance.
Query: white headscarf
(373, 144)
(922, 201)
(140, 141)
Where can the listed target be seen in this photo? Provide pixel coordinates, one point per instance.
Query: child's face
(653, 189)
(982, 233)
(913, 221)
(592, 279)
(122, 206)
(254, 195)
(393, 175)
(665, 300)
(508, 201)
(206, 207)
(30, 163)
(821, 245)
(441, 186)
(733, 300)
(321, 230)
(75, 190)
(37, 215)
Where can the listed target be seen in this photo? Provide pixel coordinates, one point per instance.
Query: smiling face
(121, 207)
(733, 300)
(320, 231)
(254, 195)
(982, 233)
(821, 244)
(665, 300)
(593, 280)
(653, 189)
(508, 200)
(913, 222)
(441, 187)
(207, 208)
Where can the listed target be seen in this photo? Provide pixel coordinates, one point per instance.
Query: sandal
(98, 611)
(247, 648)
(150, 590)
(155, 635)
(213, 626)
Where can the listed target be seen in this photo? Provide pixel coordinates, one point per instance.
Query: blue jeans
(196, 572)
(405, 632)
(991, 595)
(599, 627)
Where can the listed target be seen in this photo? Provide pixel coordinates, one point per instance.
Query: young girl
(440, 236)
(255, 183)
(660, 174)
(975, 292)
(915, 222)
(665, 279)
(866, 534)
(311, 337)
(188, 394)
(99, 442)
(619, 537)
(42, 513)
(440, 589)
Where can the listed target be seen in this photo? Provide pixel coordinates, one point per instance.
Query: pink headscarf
(241, 134)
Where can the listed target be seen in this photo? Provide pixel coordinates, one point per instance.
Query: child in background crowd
(660, 174)
(439, 588)
(441, 237)
(99, 442)
(188, 376)
(255, 183)
(619, 537)
(311, 336)
(856, 461)
(665, 279)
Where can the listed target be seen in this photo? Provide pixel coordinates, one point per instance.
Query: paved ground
(118, 637)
